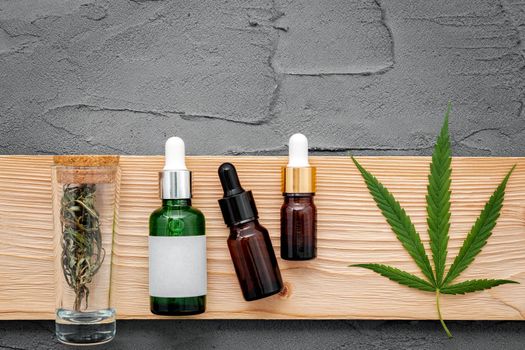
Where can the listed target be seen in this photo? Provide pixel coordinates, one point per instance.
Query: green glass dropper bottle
(177, 242)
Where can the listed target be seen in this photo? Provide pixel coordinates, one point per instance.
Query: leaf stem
(441, 317)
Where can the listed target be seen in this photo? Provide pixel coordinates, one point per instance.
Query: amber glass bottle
(298, 227)
(249, 243)
(298, 212)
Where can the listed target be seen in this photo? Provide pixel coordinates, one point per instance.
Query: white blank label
(177, 266)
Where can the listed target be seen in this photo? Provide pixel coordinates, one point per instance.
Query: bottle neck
(176, 202)
(298, 197)
(249, 225)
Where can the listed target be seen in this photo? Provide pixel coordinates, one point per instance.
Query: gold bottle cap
(298, 180)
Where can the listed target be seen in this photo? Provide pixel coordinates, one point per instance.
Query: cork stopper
(86, 160)
(86, 169)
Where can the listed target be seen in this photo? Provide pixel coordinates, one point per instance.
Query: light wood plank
(351, 230)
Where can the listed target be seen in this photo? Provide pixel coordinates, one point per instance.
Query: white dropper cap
(175, 178)
(298, 151)
(175, 155)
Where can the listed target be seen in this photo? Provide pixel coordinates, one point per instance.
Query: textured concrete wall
(238, 77)
(372, 76)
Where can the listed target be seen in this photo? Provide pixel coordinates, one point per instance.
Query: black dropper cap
(237, 205)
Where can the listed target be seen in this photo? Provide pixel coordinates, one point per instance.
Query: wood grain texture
(351, 230)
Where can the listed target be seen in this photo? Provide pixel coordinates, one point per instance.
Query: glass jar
(85, 205)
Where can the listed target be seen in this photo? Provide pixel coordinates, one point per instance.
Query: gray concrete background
(238, 77)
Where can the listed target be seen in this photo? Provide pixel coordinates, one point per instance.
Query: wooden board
(351, 230)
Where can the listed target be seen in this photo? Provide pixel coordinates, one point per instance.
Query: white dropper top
(298, 151)
(175, 154)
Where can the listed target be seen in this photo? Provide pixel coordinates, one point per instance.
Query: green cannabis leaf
(438, 220)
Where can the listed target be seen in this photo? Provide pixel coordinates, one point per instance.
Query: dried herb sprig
(438, 220)
(82, 251)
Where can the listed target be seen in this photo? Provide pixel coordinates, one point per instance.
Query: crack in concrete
(40, 18)
(191, 116)
(370, 148)
(362, 71)
(481, 130)
(277, 77)
(107, 109)
(157, 113)
(89, 142)
(284, 29)
(20, 38)
(314, 149)
(264, 151)
(384, 22)
(12, 34)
